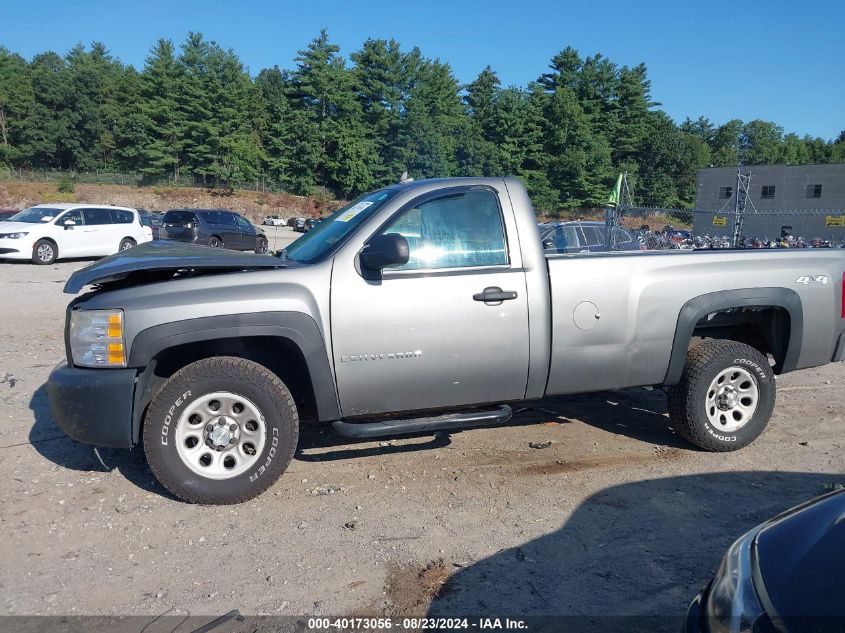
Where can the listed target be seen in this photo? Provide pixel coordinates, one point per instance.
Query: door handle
(494, 294)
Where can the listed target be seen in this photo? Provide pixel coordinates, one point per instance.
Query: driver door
(72, 240)
(246, 233)
(422, 336)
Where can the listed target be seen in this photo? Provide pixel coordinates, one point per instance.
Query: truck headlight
(732, 605)
(13, 236)
(96, 338)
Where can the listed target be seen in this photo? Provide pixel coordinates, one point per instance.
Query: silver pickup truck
(424, 305)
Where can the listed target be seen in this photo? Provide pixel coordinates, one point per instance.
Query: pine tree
(382, 76)
(161, 121)
(16, 101)
(433, 115)
(49, 123)
(322, 87)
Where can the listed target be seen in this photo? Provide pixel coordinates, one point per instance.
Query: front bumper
(187, 239)
(15, 249)
(93, 406)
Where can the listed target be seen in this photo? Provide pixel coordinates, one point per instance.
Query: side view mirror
(390, 249)
(69, 224)
(548, 244)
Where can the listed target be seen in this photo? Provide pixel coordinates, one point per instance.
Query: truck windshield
(35, 215)
(333, 230)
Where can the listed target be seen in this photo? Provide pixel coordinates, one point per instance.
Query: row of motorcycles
(670, 238)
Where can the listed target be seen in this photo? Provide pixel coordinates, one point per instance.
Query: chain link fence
(660, 228)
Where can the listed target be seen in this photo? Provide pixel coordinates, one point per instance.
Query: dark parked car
(581, 236)
(784, 576)
(152, 220)
(310, 223)
(299, 225)
(215, 227)
(5, 214)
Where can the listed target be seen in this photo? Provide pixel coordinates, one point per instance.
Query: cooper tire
(44, 253)
(264, 401)
(725, 397)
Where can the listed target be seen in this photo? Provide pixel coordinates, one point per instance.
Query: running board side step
(447, 422)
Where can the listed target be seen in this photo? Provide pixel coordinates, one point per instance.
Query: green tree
(433, 117)
(383, 75)
(48, 127)
(159, 121)
(760, 143)
(16, 102)
(323, 89)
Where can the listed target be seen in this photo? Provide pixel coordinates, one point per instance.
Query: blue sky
(776, 60)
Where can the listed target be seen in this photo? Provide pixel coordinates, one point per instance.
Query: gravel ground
(581, 505)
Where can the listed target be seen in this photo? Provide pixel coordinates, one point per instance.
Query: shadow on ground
(49, 440)
(636, 413)
(631, 557)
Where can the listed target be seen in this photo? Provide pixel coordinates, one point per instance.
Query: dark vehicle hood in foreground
(158, 260)
(801, 557)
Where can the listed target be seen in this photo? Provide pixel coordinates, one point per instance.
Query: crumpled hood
(154, 261)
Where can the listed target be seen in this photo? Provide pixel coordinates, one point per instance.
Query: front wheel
(126, 243)
(725, 397)
(215, 241)
(261, 245)
(44, 253)
(222, 430)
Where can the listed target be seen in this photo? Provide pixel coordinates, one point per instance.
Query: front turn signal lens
(97, 338)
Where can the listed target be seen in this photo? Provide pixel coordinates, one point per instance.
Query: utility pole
(743, 184)
(612, 214)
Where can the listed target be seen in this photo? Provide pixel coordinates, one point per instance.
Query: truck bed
(614, 315)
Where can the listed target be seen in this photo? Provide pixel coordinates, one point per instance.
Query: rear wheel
(261, 245)
(44, 252)
(215, 241)
(222, 430)
(725, 397)
(126, 243)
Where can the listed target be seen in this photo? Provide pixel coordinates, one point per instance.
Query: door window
(75, 215)
(218, 217)
(119, 216)
(453, 231)
(593, 235)
(97, 216)
(621, 237)
(570, 237)
(243, 223)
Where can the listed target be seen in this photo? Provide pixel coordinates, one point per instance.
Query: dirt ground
(580, 505)
(15, 194)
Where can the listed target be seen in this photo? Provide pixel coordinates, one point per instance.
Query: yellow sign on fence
(835, 220)
(720, 220)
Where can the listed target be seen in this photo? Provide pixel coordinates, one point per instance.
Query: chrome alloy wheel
(732, 399)
(44, 252)
(220, 435)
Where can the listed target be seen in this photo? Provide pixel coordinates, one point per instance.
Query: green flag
(615, 193)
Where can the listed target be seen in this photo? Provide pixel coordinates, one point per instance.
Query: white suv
(49, 231)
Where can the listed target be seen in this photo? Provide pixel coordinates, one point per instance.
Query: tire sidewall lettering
(750, 363)
(718, 436)
(271, 453)
(168, 418)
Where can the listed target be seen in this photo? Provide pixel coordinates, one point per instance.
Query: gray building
(805, 200)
